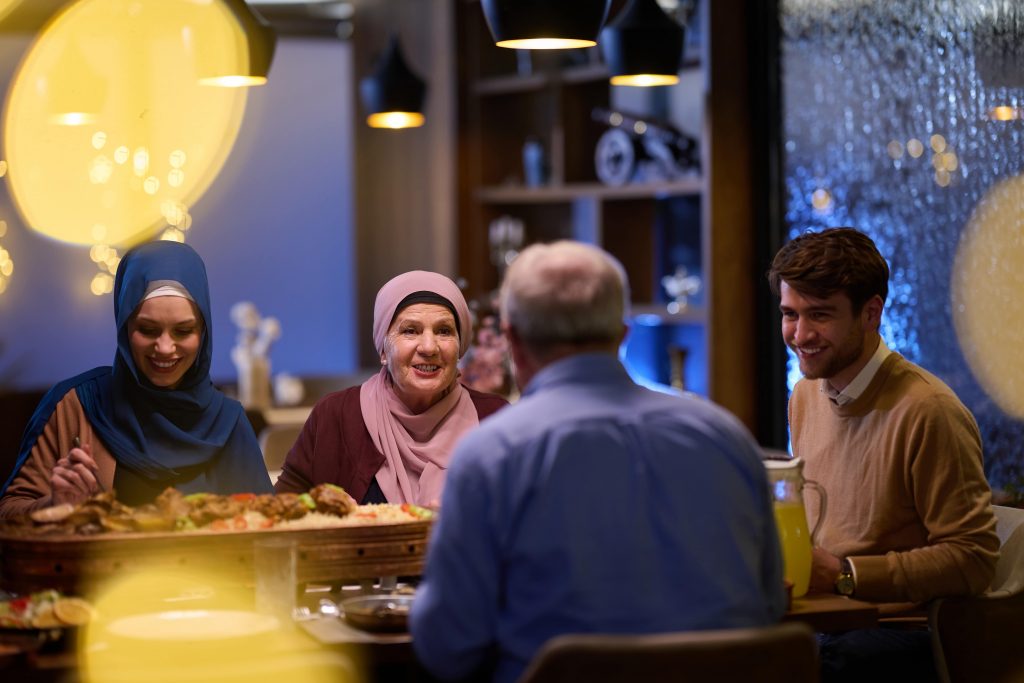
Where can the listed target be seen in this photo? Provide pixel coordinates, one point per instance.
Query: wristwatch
(845, 583)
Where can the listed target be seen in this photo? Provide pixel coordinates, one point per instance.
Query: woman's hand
(75, 476)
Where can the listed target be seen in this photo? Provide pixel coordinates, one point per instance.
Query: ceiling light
(643, 46)
(393, 95)
(545, 24)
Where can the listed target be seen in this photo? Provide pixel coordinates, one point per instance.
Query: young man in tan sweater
(909, 517)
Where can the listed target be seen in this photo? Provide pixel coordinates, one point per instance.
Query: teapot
(787, 484)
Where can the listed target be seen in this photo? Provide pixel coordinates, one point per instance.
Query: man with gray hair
(593, 505)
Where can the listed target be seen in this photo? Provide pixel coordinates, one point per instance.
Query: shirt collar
(859, 383)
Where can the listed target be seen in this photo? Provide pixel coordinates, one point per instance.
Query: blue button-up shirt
(595, 505)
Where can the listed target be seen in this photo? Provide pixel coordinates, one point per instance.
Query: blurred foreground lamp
(643, 46)
(393, 95)
(998, 41)
(545, 25)
(261, 43)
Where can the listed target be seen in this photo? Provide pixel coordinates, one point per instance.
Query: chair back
(782, 653)
(1009, 576)
(275, 442)
(978, 638)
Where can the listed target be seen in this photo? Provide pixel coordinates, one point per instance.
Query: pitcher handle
(822, 507)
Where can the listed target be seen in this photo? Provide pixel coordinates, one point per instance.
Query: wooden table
(831, 613)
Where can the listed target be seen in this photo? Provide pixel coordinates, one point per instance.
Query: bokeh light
(143, 57)
(987, 281)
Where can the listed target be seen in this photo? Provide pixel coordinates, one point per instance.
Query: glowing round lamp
(393, 95)
(545, 24)
(148, 133)
(643, 46)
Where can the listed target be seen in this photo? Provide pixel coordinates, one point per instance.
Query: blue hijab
(192, 437)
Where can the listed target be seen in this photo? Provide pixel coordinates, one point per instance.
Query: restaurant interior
(904, 120)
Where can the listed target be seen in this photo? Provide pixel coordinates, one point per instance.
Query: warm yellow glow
(177, 158)
(162, 626)
(3, 168)
(144, 52)
(102, 283)
(895, 149)
(172, 235)
(73, 118)
(645, 80)
(942, 177)
(3, 228)
(233, 81)
(915, 147)
(99, 139)
(395, 119)
(949, 161)
(546, 43)
(938, 143)
(151, 185)
(1004, 113)
(985, 287)
(175, 177)
(821, 199)
(99, 232)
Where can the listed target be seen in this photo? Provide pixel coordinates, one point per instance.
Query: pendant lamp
(999, 60)
(393, 95)
(261, 42)
(545, 24)
(643, 46)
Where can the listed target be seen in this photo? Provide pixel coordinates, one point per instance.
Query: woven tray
(77, 564)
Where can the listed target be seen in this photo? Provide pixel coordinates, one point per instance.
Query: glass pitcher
(787, 482)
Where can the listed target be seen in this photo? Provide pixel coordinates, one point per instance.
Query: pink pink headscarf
(416, 447)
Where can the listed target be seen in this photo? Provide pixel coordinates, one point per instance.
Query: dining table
(390, 656)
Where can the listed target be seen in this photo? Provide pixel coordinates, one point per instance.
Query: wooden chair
(979, 638)
(275, 442)
(783, 653)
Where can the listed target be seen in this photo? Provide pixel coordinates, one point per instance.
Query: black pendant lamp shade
(393, 95)
(545, 24)
(643, 46)
(261, 39)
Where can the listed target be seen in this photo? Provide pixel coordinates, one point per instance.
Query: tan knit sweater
(30, 489)
(908, 501)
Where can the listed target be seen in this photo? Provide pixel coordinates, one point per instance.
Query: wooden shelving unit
(651, 227)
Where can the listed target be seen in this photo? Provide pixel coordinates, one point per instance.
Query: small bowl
(378, 613)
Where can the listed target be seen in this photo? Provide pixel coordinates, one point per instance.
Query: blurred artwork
(251, 354)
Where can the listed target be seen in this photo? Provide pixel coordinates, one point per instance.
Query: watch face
(844, 584)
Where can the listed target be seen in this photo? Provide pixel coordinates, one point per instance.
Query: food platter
(79, 564)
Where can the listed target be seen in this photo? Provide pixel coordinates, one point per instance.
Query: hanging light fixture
(643, 46)
(545, 24)
(393, 95)
(261, 42)
(999, 60)
(76, 93)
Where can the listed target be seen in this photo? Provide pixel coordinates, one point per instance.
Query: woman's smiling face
(164, 335)
(422, 354)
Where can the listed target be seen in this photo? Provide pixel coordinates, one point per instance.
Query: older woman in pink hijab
(389, 439)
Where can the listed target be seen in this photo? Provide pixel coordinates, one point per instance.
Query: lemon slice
(73, 611)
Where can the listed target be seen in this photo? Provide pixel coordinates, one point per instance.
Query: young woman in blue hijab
(153, 419)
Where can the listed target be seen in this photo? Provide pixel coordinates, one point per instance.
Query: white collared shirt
(859, 383)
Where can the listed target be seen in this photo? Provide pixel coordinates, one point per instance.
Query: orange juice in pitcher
(787, 482)
(795, 540)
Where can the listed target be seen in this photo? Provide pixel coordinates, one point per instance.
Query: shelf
(585, 73)
(520, 194)
(651, 314)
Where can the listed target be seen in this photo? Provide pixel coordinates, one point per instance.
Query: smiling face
(165, 334)
(422, 354)
(830, 341)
